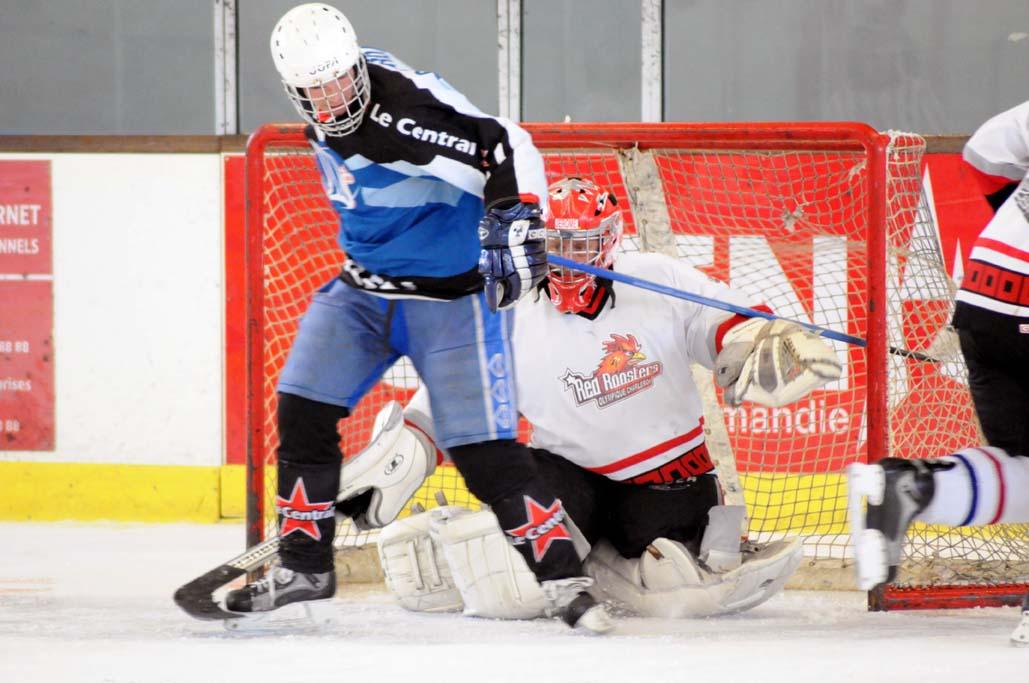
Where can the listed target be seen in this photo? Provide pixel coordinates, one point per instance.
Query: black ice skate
(895, 490)
(568, 599)
(257, 601)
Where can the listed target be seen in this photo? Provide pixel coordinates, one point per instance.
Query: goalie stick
(723, 305)
(196, 598)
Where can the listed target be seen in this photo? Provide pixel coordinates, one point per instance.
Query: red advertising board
(26, 307)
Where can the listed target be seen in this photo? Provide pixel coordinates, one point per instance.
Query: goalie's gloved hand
(773, 362)
(513, 259)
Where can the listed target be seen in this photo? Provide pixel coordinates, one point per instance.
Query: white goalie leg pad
(417, 573)
(492, 577)
(765, 570)
(667, 581)
(394, 465)
(773, 362)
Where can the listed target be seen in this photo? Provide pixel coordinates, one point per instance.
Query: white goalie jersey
(615, 395)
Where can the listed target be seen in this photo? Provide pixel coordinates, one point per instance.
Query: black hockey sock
(307, 518)
(503, 475)
(309, 467)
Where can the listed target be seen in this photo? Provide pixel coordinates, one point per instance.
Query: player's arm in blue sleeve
(506, 170)
(513, 258)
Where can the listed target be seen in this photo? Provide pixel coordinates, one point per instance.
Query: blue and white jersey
(410, 184)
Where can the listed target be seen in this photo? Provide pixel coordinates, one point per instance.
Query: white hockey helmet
(315, 50)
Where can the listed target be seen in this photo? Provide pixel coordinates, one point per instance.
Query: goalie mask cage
(824, 222)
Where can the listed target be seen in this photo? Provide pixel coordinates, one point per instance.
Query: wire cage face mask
(337, 106)
(322, 67)
(585, 226)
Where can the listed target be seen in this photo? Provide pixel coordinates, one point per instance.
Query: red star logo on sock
(545, 526)
(300, 515)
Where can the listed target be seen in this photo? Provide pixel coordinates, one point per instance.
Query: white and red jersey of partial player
(1000, 147)
(997, 276)
(615, 394)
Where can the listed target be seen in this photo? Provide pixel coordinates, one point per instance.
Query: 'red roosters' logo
(621, 353)
(621, 373)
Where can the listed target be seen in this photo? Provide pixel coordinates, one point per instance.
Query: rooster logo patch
(621, 373)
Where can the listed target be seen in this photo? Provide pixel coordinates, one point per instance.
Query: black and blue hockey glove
(514, 253)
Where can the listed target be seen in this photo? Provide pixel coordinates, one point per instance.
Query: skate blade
(300, 617)
(866, 484)
(1020, 636)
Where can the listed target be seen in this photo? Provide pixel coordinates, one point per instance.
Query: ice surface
(92, 603)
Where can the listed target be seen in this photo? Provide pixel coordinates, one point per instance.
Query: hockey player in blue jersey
(440, 221)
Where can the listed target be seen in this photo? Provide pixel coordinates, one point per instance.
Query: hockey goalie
(603, 377)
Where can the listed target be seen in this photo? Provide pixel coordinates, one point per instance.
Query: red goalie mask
(585, 225)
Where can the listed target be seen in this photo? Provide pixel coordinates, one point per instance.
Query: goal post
(824, 222)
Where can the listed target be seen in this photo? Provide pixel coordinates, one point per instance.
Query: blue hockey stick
(723, 305)
(697, 298)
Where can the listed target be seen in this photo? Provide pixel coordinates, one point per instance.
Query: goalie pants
(631, 516)
(998, 377)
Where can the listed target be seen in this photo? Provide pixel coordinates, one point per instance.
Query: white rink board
(138, 301)
(102, 612)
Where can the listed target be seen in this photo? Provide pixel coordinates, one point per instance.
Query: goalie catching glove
(513, 259)
(773, 362)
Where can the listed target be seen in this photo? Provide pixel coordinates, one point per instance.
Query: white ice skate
(893, 491)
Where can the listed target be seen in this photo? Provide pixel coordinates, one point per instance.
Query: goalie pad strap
(416, 572)
(492, 577)
(452, 558)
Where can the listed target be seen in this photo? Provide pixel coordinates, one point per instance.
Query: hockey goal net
(823, 222)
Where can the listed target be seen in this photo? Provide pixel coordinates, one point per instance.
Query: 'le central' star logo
(545, 526)
(300, 515)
